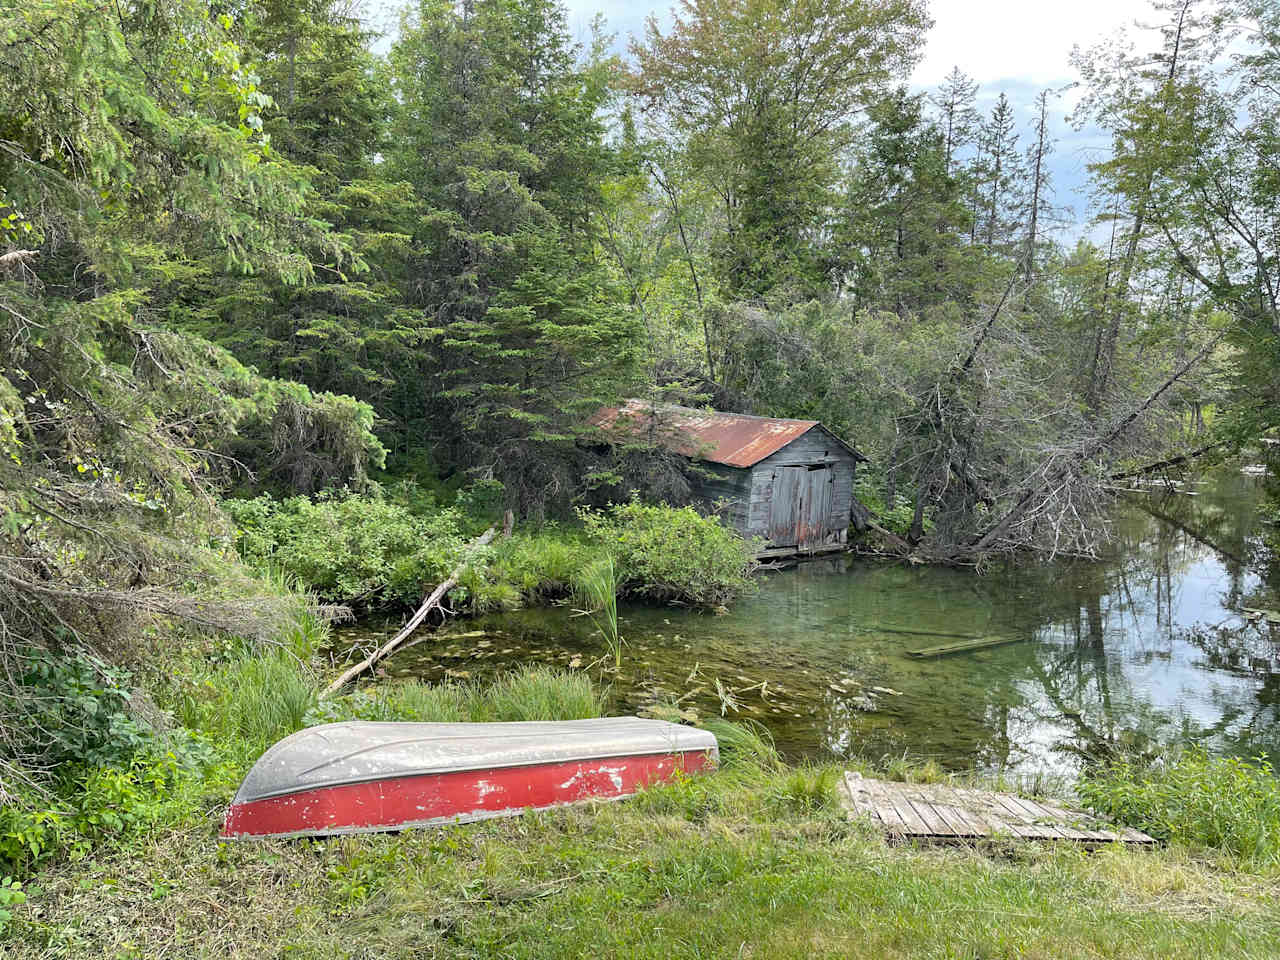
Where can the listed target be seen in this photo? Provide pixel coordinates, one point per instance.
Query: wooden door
(800, 505)
(815, 506)
(784, 506)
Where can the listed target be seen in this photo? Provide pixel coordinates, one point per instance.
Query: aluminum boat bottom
(361, 777)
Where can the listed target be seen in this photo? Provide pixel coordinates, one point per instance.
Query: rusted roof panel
(734, 439)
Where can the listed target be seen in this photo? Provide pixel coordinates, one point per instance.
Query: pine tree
(957, 115)
(904, 211)
(999, 180)
(1039, 203)
(501, 137)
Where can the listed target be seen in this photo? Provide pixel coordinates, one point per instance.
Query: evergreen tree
(502, 138)
(957, 115)
(998, 180)
(1039, 202)
(904, 211)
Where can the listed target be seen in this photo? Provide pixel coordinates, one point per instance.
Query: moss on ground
(747, 863)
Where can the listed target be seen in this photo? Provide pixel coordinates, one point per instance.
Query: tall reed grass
(597, 585)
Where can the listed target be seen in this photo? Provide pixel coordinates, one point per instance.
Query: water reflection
(1130, 653)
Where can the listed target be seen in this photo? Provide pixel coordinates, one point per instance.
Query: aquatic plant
(598, 584)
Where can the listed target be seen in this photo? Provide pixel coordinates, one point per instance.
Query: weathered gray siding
(818, 446)
(748, 491)
(714, 482)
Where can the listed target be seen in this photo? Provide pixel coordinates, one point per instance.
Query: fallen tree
(432, 601)
(1001, 462)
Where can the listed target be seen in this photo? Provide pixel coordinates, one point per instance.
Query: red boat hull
(453, 797)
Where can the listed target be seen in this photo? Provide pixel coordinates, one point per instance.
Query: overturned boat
(361, 777)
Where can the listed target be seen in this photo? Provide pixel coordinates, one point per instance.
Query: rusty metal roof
(734, 439)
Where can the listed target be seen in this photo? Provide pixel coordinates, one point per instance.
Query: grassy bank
(756, 860)
(382, 553)
(750, 862)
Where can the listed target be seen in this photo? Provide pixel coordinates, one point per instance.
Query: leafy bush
(11, 895)
(1228, 803)
(669, 553)
(99, 804)
(74, 710)
(348, 549)
(895, 517)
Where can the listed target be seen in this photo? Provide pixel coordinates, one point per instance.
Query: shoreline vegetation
(756, 857)
(289, 314)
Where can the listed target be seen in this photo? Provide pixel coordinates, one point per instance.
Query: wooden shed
(788, 481)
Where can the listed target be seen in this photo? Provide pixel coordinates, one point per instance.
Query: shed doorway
(800, 505)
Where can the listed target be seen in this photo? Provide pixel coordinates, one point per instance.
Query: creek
(1138, 650)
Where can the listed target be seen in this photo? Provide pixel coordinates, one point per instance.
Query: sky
(1019, 47)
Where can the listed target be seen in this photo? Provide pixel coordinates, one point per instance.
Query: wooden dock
(946, 814)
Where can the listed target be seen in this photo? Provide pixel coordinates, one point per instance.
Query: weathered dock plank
(941, 812)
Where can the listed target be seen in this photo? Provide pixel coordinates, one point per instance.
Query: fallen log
(432, 601)
(921, 633)
(1166, 464)
(983, 643)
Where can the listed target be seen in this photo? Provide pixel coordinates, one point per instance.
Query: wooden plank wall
(816, 446)
(732, 484)
(749, 491)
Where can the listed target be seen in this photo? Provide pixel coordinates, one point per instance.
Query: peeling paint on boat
(363, 777)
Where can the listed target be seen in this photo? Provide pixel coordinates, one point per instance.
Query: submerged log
(432, 601)
(966, 646)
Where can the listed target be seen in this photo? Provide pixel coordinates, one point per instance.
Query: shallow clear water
(1137, 650)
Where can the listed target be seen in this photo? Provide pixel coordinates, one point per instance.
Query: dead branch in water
(432, 601)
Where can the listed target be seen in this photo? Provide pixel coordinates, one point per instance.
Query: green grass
(251, 697)
(755, 860)
(598, 584)
(527, 693)
(1224, 803)
(541, 565)
(748, 862)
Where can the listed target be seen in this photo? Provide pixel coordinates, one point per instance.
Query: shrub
(11, 895)
(74, 709)
(670, 554)
(1228, 803)
(363, 551)
(895, 517)
(97, 805)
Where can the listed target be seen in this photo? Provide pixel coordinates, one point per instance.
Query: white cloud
(997, 40)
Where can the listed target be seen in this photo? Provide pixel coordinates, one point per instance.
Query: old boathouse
(787, 481)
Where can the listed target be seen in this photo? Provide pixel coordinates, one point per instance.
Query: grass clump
(541, 565)
(598, 587)
(1226, 803)
(528, 693)
(906, 770)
